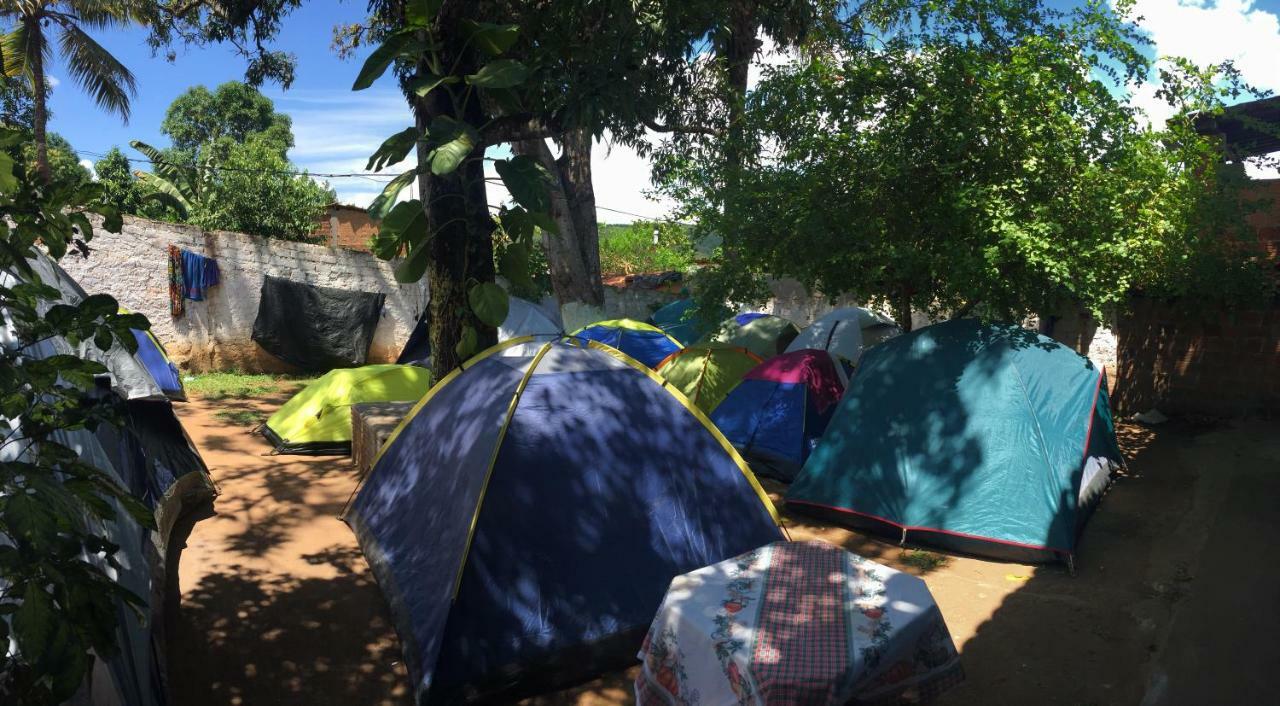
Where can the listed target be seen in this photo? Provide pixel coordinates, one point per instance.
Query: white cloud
(1208, 32)
(52, 81)
(88, 165)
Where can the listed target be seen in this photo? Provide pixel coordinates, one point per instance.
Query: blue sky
(336, 129)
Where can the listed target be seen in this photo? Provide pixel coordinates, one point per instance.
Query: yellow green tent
(765, 335)
(706, 373)
(317, 420)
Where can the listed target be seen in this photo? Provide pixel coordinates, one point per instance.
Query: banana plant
(178, 186)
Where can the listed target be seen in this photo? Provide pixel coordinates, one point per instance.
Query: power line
(375, 178)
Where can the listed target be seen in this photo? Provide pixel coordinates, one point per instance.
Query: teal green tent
(679, 321)
(987, 439)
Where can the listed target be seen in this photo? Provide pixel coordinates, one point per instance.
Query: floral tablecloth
(796, 623)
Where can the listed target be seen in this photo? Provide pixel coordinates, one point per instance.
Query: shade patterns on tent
(317, 420)
(706, 373)
(644, 342)
(987, 439)
(765, 335)
(524, 318)
(679, 321)
(525, 520)
(154, 358)
(780, 409)
(846, 332)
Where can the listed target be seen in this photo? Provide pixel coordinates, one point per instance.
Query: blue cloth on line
(199, 273)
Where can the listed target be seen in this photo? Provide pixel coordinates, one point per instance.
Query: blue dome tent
(526, 518)
(987, 439)
(646, 343)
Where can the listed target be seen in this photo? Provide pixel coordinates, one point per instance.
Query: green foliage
(252, 191)
(233, 110)
(228, 168)
(248, 27)
(954, 165)
(17, 103)
(61, 606)
(64, 163)
(629, 249)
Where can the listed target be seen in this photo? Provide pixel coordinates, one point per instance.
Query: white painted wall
(132, 266)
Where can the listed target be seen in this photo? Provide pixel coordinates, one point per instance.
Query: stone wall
(215, 334)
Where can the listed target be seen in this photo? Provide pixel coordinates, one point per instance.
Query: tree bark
(902, 312)
(739, 50)
(40, 113)
(458, 220)
(574, 253)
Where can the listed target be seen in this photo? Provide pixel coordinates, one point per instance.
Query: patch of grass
(239, 386)
(629, 249)
(924, 561)
(240, 417)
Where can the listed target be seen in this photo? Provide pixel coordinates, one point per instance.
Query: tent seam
(493, 462)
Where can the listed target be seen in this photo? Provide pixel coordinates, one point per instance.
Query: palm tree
(28, 47)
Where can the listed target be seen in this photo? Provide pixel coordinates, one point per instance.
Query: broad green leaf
(517, 224)
(543, 220)
(415, 265)
(393, 149)
(405, 224)
(112, 221)
(82, 223)
(502, 73)
(36, 625)
(392, 48)
(467, 342)
(453, 141)
(492, 39)
(423, 85)
(489, 303)
(8, 182)
(99, 305)
(528, 181)
(513, 264)
(420, 13)
(384, 202)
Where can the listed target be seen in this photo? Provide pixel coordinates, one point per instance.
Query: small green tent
(317, 420)
(765, 335)
(985, 439)
(706, 373)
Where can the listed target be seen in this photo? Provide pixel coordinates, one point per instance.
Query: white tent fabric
(129, 377)
(129, 678)
(525, 319)
(846, 332)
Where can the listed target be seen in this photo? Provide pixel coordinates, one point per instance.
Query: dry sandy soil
(1175, 600)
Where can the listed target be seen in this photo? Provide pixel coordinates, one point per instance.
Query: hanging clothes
(176, 308)
(199, 273)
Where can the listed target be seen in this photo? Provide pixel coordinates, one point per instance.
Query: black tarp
(316, 328)
(417, 350)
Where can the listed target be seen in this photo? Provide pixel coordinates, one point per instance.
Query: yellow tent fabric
(317, 420)
(706, 373)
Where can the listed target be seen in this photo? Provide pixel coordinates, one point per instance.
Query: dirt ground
(1174, 601)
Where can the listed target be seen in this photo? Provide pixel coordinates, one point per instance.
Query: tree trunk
(574, 253)
(739, 50)
(902, 312)
(461, 229)
(40, 111)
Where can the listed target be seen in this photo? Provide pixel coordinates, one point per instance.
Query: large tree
(28, 47)
(228, 168)
(980, 159)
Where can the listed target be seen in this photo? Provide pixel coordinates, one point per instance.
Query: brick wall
(215, 334)
(1226, 365)
(346, 227)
